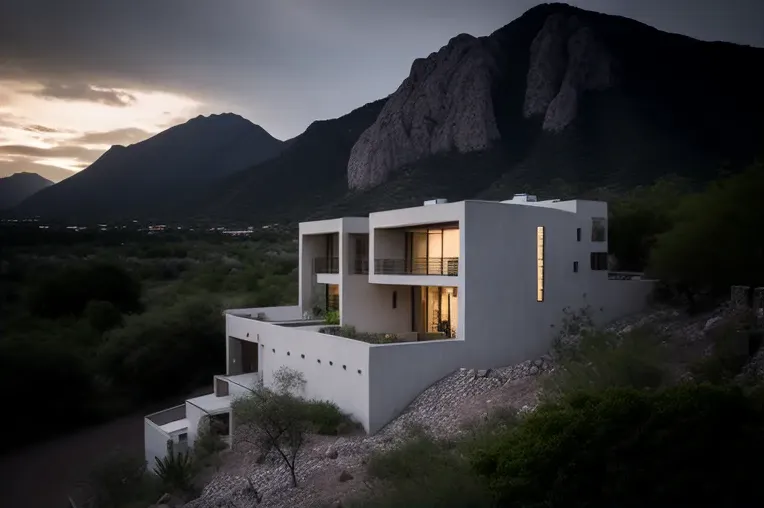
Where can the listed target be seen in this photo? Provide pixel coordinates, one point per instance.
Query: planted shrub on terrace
(349, 332)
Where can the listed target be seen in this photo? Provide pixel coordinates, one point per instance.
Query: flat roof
(175, 426)
(211, 403)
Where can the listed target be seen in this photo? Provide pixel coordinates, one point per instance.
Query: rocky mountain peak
(566, 59)
(445, 104)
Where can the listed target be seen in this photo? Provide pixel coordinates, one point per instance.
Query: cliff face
(566, 59)
(445, 104)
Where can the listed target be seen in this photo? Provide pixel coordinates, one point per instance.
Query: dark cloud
(283, 63)
(40, 129)
(65, 151)
(125, 136)
(52, 173)
(84, 92)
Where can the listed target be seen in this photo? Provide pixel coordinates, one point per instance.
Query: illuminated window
(540, 264)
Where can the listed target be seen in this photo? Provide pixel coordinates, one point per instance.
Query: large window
(433, 251)
(599, 229)
(540, 264)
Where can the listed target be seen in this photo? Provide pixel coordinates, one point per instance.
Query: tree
(715, 240)
(637, 219)
(277, 418)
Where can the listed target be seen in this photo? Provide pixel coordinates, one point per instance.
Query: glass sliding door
(438, 316)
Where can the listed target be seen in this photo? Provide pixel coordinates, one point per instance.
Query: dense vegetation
(118, 321)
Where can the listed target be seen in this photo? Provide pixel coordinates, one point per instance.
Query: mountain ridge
(139, 179)
(559, 98)
(18, 186)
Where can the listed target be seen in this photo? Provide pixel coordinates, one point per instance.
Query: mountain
(17, 187)
(559, 102)
(164, 171)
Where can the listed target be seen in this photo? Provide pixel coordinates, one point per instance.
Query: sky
(78, 76)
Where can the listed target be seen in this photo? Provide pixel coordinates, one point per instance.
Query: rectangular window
(599, 229)
(578, 234)
(575, 266)
(599, 260)
(540, 264)
(395, 299)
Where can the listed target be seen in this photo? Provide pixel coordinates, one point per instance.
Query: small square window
(575, 266)
(599, 229)
(182, 438)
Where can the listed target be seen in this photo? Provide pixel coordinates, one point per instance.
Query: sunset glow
(70, 127)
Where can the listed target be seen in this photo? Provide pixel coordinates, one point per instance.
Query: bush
(424, 473)
(119, 481)
(603, 360)
(728, 356)
(685, 444)
(332, 317)
(102, 316)
(176, 471)
(327, 419)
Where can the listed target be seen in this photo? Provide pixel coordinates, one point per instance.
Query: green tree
(279, 418)
(716, 239)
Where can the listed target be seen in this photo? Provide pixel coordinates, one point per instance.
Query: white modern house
(475, 284)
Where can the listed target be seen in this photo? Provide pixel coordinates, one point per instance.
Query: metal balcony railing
(326, 265)
(360, 266)
(417, 266)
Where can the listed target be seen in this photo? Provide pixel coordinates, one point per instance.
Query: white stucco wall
(369, 307)
(503, 322)
(400, 372)
(325, 380)
(154, 443)
(194, 415)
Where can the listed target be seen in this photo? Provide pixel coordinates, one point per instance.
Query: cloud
(65, 151)
(124, 136)
(40, 129)
(85, 92)
(52, 173)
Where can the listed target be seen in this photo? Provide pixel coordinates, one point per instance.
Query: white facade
(475, 284)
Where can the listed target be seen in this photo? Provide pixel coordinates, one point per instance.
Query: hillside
(150, 177)
(17, 187)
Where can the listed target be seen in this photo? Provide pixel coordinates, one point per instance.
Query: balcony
(360, 266)
(417, 266)
(326, 265)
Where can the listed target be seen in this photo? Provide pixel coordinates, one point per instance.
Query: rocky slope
(445, 104)
(17, 187)
(331, 469)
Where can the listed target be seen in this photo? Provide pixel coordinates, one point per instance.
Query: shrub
(326, 418)
(603, 360)
(424, 473)
(332, 317)
(102, 316)
(176, 471)
(728, 356)
(684, 444)
(119, 481)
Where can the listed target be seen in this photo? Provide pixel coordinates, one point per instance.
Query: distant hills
(159, 174)
(559, 101)
(19, 186)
